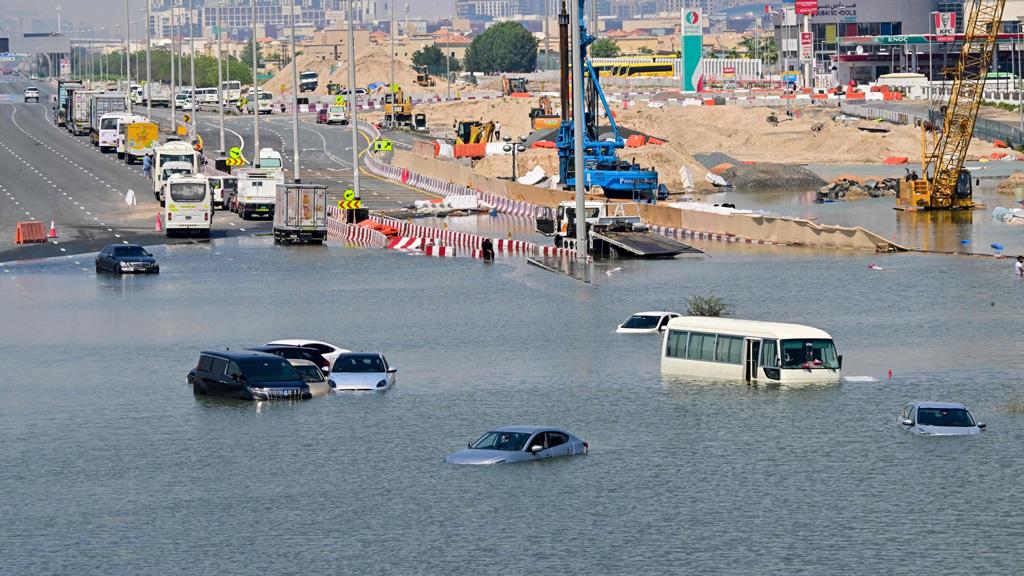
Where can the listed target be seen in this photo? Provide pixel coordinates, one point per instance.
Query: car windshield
(498, 440)
(809, 353)
(168, 172)
(953, 417)
(164, 158)
(230, 184)
(270, 162)
(337, 109)
(358, 363)
(309, 373)
(641, 322)
(130, 251)
(268, 370)
(187, 191)
(108, 124)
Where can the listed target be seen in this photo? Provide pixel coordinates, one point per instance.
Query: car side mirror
(392, 370)
(535, 449)
(982, 425)
(469, 444)
(840, 358)
(907, 422)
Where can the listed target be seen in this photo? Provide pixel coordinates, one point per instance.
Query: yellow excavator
(473, 132)
(944, 184)
(398, 110)
(542, 116)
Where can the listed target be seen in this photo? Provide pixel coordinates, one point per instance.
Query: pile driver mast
(945, 185)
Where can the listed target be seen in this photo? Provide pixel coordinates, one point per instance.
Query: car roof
(241, 354)
(929, 404)
(654, 313)
(281, 346)
(297, 342)
(301, 362)
(527, 429)
(122, 246)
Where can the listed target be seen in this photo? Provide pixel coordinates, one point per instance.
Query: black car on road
(126, 259)
(296, 353)
(246, 375)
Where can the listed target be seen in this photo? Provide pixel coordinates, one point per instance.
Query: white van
(749, 351)
(188, 209)
(265, 103)
(108, 130)
(172, 151)
(222, 187)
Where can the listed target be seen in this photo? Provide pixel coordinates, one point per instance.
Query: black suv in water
(246, 375)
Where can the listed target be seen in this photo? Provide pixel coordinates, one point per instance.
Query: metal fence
(984, 128)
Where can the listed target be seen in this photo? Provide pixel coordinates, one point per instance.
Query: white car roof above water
(653, 313)
(739, 327)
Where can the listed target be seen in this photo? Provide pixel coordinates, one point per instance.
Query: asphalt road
(47, 174)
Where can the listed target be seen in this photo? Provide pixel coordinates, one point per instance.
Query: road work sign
(382, 146)
(350, 204)
(339, 100)
(349, 195)
(235, 157)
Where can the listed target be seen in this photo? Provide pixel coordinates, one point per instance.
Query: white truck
(300, 214)
(257, 193)
(157, 94)
(78, 119)
(172, 151)
(102, 104)
(188, 209)
(264, 102)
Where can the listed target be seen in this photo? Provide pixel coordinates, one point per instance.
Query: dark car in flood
(126, 259)
(296, 353)
(246, 375)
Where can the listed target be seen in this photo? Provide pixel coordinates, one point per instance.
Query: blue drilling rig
(604, 171)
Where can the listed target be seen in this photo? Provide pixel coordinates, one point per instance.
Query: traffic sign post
(383, 146)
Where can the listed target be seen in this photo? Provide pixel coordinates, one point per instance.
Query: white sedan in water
(646, 322)
(938, 419)
(356, 371)
(328, 351)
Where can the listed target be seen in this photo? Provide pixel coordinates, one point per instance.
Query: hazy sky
(96, 11)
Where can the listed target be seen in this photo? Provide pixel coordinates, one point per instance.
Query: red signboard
(809, 7)
(806, 46)
(945, 26)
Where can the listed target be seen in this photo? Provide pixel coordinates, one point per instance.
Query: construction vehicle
(473, 132)
(944, 184)
(604, 171)
(398, 109)
(334, 89)
(510, 86)
(542, 116)
(423, 77)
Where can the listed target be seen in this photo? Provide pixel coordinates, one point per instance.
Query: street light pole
(575, 19)
(392, 87)
(352, 94)
(192, 67)
(220, 80)
(448, 56)
(174, 92)
(295, 104)
(128, 51)
(255, 94)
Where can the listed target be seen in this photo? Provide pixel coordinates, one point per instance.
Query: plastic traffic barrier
(896, 160)
(32, 232)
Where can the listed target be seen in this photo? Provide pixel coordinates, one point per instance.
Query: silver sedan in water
(938, 419)
(519, 444)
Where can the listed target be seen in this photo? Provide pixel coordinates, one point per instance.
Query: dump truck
(300, 214)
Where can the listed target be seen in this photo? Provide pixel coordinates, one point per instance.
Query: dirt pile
(373, 64)
(857, 189)
(513, 113)
(769, 176)
(1013, 185)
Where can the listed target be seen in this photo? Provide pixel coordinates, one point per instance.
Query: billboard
(692, 43)
(945, 26)
(808, 7)
(806, 46)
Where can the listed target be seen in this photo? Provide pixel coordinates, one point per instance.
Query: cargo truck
(136, 139)
(79, 102)
(63, 87)
(102, 104)
(157, 94)
(257, 193)
(300, 214)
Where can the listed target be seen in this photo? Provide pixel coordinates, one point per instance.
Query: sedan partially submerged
(126, 259)
(519, 444)
(311, 375)
(646, 322)
(938, 419)
(355, 371)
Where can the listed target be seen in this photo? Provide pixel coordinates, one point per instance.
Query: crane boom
(946, 186)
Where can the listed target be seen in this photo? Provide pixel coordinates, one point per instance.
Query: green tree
(160, 64)
(644, 50)
(247, 55)
(765, 48)
(433, 58)
(604, 48)
(504, 47)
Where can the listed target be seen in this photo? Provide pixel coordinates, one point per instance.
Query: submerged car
(646, 322)
(328, 351)
(311, 375)
(355, 371)
(246, 375)
(519, 444)
(938, 419)
(296, 353)
(126, 259)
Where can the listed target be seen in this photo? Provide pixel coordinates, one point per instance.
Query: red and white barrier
(439, 251)
(406, 244)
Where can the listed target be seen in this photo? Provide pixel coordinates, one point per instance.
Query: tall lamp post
(255, 94)
(128, 51)
(221, 103)
(295, 104)
(515, 148)
(192, 67)
(352, 97)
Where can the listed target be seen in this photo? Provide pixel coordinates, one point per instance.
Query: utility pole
(149, 70)
(295, 104)
(192, 68)
(391, 88)
(174, 92)
(547, 34)
(448, 53)
(128, 52)
(220, 80)
(352, 94)
(255, 94)
(576, 20)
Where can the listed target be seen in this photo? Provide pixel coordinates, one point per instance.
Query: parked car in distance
(312, 376)
(646, 322)
(32, 93)
(355, 371)
(296, 353)
(938, 419)
(337, 115)
(246, 375)
(328, 351)
(321, 116)
(519, 444)
(126, 259)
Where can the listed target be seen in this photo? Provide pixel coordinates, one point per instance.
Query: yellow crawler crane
(945, 186)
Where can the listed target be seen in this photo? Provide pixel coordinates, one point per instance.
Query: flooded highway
(111, 466)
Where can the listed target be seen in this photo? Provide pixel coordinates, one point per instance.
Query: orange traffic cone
(159, 223)
(53, 230)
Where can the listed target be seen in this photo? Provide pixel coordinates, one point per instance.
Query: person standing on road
(1019, 266)
(147, 165)
(497, 131)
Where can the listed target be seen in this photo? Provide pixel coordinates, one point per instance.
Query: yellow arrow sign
(339, 100)
(350, 204)
(382, 146)
(350, 194)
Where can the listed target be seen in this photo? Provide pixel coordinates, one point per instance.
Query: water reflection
(938, 230)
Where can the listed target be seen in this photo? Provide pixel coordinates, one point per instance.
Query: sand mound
(1012, 185)
(513, 113)
(373, 64)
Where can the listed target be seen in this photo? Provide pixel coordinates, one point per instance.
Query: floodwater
(111, 466)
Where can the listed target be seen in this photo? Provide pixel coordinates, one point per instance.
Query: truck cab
(270, 160)
(172, 151)
(257, 193)
(308, 81)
